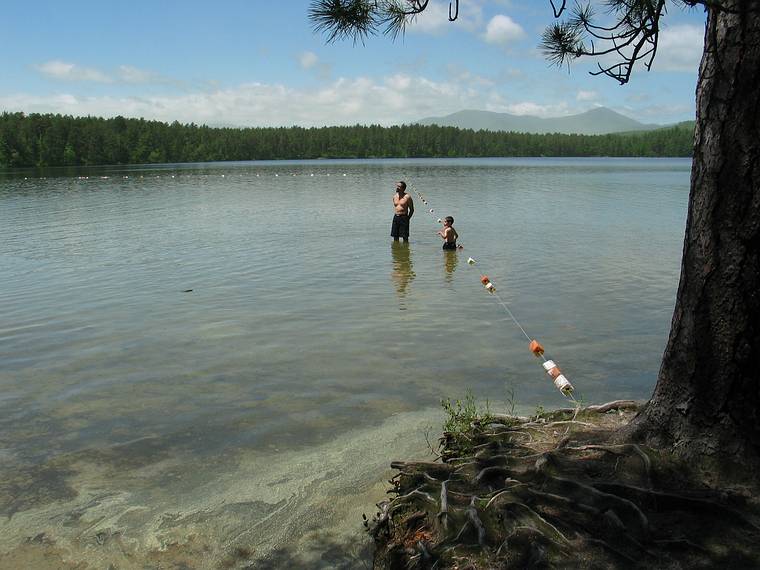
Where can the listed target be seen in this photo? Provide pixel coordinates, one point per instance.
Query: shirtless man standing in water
(404, 210)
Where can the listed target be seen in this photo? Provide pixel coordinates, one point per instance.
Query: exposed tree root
(555, 492)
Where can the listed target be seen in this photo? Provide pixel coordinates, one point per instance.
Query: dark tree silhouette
(57, 140)
(706, 404)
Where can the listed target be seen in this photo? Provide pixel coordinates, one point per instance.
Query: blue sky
(258, 63)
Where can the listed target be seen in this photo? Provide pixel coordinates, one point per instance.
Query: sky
(253, 63)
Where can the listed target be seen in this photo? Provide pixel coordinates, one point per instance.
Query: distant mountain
(682, 126)
(598, 121)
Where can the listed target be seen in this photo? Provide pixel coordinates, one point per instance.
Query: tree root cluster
(557, 491)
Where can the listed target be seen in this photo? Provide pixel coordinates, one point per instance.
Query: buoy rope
(565, 392)
(431, 211)
(503, 304)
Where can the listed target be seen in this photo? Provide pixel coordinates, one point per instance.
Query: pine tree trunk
(706, 405)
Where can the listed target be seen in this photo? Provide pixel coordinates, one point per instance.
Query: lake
(215, 363)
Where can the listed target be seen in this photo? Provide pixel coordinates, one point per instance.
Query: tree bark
(706, 404)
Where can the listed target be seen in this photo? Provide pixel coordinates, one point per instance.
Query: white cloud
(502, 29)
(129, 74)
(65, 71)
(463, 75)
(587, 96)
(403, 97)
(398, 82)
(435, 19)
(679, 49)
(663, 113)
(308, 59)
(72, 72)
(538, 110)
(400, 98)
(497, 103)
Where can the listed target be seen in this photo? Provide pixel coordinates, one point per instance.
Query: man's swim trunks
(400, 226)
(449, 245)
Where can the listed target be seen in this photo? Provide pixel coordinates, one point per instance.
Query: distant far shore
(36, 140)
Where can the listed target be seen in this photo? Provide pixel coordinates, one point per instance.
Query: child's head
(448, 220)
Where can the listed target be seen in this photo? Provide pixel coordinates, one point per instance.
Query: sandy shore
(247, 509)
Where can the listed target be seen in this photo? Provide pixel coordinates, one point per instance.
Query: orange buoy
(487, 283)
(536, 348)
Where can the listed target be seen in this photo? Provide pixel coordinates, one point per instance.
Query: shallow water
(148, 416)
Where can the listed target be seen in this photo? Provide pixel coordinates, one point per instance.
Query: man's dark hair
(449, 219)
(403, 184)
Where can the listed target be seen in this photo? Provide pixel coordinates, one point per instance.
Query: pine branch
(634, 36)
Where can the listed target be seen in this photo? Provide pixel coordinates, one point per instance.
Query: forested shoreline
(28, 140)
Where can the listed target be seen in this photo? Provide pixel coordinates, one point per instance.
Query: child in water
(448, 233)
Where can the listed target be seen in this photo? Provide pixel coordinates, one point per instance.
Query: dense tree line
(58, 140)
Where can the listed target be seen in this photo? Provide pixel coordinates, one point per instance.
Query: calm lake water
(252, 419)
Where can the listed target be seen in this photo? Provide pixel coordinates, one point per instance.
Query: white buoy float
(559, 379)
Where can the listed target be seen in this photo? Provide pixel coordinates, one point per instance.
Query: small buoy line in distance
(154, 176)
(558, 378)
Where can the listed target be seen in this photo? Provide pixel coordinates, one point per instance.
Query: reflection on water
(402, 272)
(254, 408)
(450, 260)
